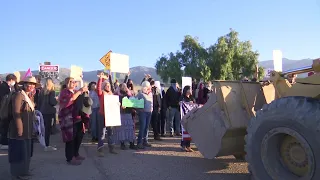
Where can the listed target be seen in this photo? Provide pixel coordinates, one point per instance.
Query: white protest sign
(112, 110)
(76, 73)
(277, 60)
(119, 63)
(186, 81)
(157, 84)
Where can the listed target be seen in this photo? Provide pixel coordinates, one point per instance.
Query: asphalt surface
(163, 161)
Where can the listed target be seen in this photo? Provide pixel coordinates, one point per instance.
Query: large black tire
(294, 117)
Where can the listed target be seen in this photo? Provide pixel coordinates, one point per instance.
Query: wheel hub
(294, 156)
(286, 154)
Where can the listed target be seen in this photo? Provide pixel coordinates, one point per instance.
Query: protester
(172, 99)
(21, 128)
(47, 101)
(5, 88)
(130, 87)
(186, 138)
(155, 117)
(125, 132)
(71, 121)
(145, 115)
(163, 111)
(94, 117)
(104, 88)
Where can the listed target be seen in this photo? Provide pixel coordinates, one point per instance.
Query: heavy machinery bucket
(218, 128)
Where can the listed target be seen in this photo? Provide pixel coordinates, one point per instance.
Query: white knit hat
(145, 84)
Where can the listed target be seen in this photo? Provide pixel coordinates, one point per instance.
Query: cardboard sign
(277, 60)
(186, 81)
(112, 110)
(133, 102)
(119, 63)
(76, 73)
(49, 71)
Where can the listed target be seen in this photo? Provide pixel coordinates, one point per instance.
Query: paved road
(163, 161)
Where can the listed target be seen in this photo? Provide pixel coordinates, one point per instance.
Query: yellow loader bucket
(219, 127)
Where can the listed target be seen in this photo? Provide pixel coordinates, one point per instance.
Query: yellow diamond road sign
(105, 60)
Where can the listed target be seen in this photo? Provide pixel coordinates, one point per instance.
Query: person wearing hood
(172, 98)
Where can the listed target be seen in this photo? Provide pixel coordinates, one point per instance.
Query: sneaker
(178, 134)
(80, 158)
(4, 147)
(74, 162)
(188, 149)
(50, 148)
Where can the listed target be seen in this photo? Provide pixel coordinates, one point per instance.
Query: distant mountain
(138, 72)
(288, 64)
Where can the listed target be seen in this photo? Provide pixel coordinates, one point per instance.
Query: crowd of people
(82, 109)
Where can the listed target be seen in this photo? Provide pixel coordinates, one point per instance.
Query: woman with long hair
(47, 101)
(21, 129)
(125, 132)
(70, 120)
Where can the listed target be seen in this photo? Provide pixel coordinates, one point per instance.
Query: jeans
(72, 147)
(173, 116)
(102, 130)
(48, 122)
(144, 122)
(94, 118)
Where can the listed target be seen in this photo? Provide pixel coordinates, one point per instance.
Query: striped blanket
(185, 108)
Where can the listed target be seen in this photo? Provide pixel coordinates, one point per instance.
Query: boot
(112, 150)
(100, 152)
(123, 146)
(132, 146)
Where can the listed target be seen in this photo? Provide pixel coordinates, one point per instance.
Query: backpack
(6, 106)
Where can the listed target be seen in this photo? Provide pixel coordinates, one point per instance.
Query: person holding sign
(145, 115)
(125, 132)
(70, 121)
(104, 88)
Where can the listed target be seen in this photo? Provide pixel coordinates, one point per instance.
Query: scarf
(28, 100)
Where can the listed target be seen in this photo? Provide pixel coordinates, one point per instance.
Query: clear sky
(80, 32)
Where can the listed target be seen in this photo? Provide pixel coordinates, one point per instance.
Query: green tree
(228, 59)
(169, 67)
